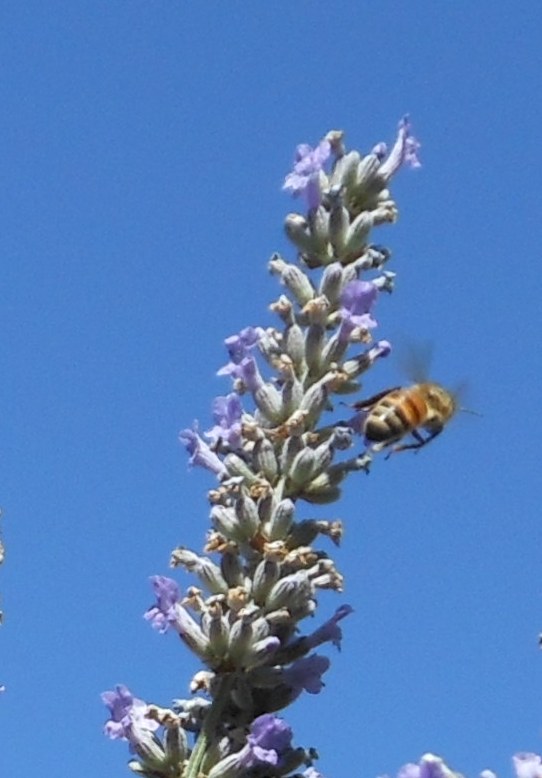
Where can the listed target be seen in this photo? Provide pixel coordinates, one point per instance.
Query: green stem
(208, 730)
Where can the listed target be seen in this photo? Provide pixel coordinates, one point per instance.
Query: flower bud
(227, 523)
(318, 221)
(208, 573)
(296, 229)
(247, 514)
(232, 569)
(294, 345)
(265, 577)
(315, 400)
(339, 220)
(331, 283)
(357, 233)
(290, 592)
(303, 468)
(291, 448)
(345, 170)
(298, 284)
(176, 745)
(314, 344)
(281, 520)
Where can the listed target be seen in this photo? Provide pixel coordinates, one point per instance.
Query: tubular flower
(404, 151)
(305, 176)
(128, 715)
(227, 412)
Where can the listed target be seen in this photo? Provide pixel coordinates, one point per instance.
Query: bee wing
(363, 405)
(415, 360)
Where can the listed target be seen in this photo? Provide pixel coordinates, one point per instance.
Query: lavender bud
(291, 592)
(208, 573)
(238, 467)
(303, 468)
(296, 229)
(283, 307)
(298, 284)
(247, 514)
(226, 523)
(331, 283)
(264, 459)
(366, 175)
(314, 343)
(322, 490)
(318, 221)
(150, 751)
(294, 345)
(338, 227)
(357, 233)
(215, 627)
(345, 170)
(315, 400)
(266, 576)
(333, 352)
(240, 638)
(281, 520)
(292, 392)
(232, 569)
(292, 447)
(268, 400)
(176, 745)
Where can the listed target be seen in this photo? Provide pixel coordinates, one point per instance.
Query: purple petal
(305, 177)
(227, 412)
(330, 632)
(127, 715)
(306, 673)
(200, 453)
(164, 612)
(404, 152)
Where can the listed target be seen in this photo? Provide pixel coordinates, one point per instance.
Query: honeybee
(396, 413)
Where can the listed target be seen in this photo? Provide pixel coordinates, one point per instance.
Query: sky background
(143, 147)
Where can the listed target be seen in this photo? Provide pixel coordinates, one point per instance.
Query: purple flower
(128, 715)
(404, 151)
(330, 632)
(164, 613)
(168, 612)
(527, 765)
(305, 177)
(269, 738)
(239, 346)
(227, 413)
(357, 300)
(200, 453)
(306, 673)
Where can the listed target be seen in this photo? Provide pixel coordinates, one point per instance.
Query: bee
(402, 411)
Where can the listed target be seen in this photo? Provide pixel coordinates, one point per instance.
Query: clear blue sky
(143, 146)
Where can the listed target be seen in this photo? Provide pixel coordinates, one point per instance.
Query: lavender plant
(273, 445)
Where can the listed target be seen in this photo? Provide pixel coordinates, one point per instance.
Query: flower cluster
(275, 445)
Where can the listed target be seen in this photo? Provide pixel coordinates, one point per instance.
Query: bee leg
(420, 441)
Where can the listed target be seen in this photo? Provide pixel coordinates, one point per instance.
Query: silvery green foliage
(275, 445)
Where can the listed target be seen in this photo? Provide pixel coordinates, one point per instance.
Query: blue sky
(143, 150)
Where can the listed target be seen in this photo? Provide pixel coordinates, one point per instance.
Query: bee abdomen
(394, 416)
